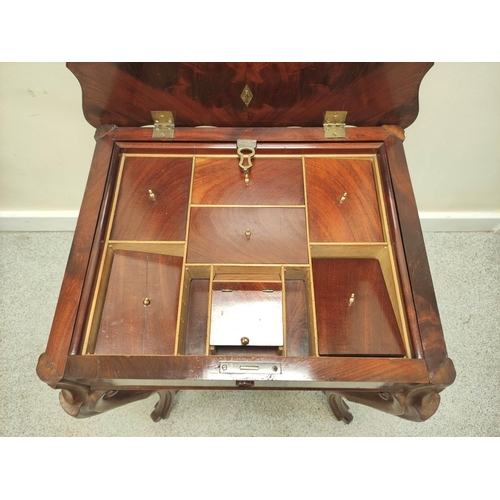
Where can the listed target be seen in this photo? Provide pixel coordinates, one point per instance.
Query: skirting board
(21, 221)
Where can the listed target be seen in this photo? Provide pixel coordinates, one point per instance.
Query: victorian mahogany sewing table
(255, 238)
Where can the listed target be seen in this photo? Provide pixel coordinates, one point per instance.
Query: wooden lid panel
(284, 94)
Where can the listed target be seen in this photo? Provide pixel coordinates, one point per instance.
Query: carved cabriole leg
(162, 408)
(339, 407)
(416, 403)
(80, 401)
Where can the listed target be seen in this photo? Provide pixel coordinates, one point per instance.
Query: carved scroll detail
(80, 401)
(416, 404)
(339, 407)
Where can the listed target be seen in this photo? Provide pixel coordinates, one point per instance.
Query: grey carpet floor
(466, 273)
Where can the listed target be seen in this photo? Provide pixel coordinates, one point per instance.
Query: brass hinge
(334, 124)
(163, 124)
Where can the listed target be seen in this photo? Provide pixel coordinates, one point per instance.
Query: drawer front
(161, 214)
(277, 235)
(342, 200)
(273, 181)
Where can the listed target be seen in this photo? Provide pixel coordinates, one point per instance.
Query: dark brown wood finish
(94, 383)
(278, 235)
(162, 215)
(284, 94)
(297, 326)
(333, 218)
(435, 354)
(314, 373)
(214, 137)
(273, 181)
(399, 252)
(128, 325)
(51, 365)
(97, 251)
(197, 317)
(353, 310)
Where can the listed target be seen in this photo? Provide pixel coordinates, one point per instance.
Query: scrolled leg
(163, 406)
(82, 402)
(339, 407)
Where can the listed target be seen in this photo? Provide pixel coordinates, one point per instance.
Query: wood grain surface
(297, 325)
(127, 325)
(357, 218)
(278, 235)
(138, 216)
(273, 181)
(367, 326)
(284, 94)
(197, 317)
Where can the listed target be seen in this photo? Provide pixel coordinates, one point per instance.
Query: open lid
(279, 94)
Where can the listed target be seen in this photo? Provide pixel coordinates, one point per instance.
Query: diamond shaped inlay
(246, 95)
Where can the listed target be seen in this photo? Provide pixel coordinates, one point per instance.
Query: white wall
(453, 148)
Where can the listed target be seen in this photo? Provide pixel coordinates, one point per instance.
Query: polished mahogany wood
(197, 317)
(294, 136)
(359, 324)
(297, 326)
(160, 216)
(127, 325)
(284, 94)
(278, 235)
(440, 366)
(273, 181)
(333, 218)
(52, 362)
(132, 372)
(398, 249)
(405, 387)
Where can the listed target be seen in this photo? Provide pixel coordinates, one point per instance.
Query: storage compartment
(354, 313)
(139, 312)
(246, 314)
(246, 311)
(267, 235)
(273, 181)
(153, 199)
(342, 200)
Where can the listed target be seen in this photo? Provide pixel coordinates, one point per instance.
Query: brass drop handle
(250, 153)
(351, 300)
(343, 198)
(152, 195)
(248, 233)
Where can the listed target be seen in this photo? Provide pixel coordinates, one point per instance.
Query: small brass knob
(152, 195)
(245, 340)
(351, 300)
(248, 233)
(146, 302)
(343, 198)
